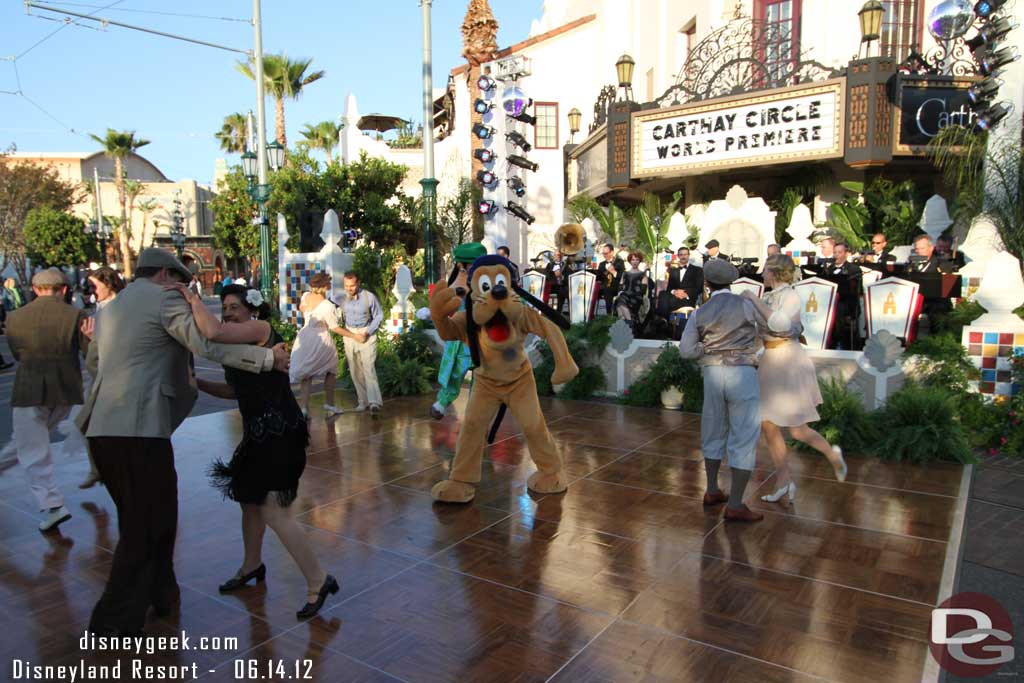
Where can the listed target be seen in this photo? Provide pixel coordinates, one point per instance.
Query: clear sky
(176, 94)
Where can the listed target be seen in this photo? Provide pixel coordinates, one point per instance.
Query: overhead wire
(147, 11)
(61, 28)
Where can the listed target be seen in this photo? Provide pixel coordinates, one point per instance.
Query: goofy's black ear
(472, 333)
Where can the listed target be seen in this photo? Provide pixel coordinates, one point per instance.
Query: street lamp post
(429, 182)
(261, 191)
(252, 164)
(101, 232)
(178, 227)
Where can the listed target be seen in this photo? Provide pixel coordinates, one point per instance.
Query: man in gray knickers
(723, 335)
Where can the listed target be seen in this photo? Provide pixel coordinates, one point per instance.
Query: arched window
(901, 27)
(780, 22)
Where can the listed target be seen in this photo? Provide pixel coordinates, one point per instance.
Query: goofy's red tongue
(497, 328)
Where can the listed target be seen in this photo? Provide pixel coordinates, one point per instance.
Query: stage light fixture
(482, 131)
(986, 8)
(523, 117)
(485, 155)
(519, 141)
(520, 213)
(487, 207)
(481, 106)
(1000, 58)
(517, 186)
(485, 178)
(523, 162)
(991, 32)
(486, 83)
(984, 91)
(991, 117)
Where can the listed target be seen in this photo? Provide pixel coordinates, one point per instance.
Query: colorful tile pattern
(296, 277)
(991, 351)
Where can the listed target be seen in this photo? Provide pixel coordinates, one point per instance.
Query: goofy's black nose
(499, 292)
(460, 291)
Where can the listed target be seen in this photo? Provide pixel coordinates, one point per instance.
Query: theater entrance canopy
(733, 118)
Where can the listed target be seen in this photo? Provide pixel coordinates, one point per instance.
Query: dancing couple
(744, 396)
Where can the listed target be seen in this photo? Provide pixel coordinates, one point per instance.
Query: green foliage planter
(586, 342)
(921, 424)
(669, 370)
(844, 420)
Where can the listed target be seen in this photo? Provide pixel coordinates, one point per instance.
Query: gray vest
(729, 338)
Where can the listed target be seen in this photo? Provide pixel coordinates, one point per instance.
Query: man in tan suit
(46, 338)
(144, 389)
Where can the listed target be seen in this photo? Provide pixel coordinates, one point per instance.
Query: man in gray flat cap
(723, 335)
(144, 389)
(46, 336)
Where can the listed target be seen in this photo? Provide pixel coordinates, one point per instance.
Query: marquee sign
(925, 105)
(818, 299)
(784, 125)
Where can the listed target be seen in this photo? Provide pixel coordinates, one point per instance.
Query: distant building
(148, 228)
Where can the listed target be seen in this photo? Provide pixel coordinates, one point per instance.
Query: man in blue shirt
(363, 316)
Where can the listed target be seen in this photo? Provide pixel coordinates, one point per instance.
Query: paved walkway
(624, 577)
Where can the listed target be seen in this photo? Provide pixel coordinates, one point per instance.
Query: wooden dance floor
(626, 577)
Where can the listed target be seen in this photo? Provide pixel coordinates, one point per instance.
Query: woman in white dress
(789, 385)
(314, 354)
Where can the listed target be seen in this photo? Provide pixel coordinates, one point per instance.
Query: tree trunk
(279, 122)
(142, 237)
(330, 159)
(126, 254)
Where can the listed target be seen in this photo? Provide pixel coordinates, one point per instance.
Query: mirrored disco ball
(514, 100)
(950, 19)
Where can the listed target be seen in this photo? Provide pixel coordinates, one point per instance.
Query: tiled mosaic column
(991, 351)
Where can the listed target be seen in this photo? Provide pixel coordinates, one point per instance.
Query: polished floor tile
(624, 577)
(628, 653)
(787, 620)
(579, 566)
(867, 507)
(903, 567)
(431, 624)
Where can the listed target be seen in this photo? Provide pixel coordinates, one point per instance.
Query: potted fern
(671, 379)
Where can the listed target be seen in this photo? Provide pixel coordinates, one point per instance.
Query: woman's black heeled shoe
(238, 580)
(311, 608)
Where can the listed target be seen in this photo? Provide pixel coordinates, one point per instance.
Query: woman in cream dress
(314, 354)
(789, 385)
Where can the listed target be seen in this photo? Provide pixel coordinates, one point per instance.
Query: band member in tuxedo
(880, 250)
(848, 303)
(944, 249)
(826, 249)
(685, 281)
(772, 250)
(714, 251)
(609, 276)
(557, 274)
(928, 259)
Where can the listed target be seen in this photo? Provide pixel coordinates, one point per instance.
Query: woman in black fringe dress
(263, 474)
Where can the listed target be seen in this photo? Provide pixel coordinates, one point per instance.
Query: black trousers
(139, 475)
(608, 295)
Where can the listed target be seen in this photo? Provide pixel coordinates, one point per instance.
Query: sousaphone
(570, 239)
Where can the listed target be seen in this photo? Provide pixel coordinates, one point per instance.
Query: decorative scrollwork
(949, 58)
(745, 55)
(604, 100)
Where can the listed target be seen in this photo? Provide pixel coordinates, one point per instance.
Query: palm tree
(117, 145)
(284, 78)
(132, 190)
(232, 134)
(147, 207)
(323, 135)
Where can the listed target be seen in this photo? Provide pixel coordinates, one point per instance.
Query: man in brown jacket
(46, 338)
